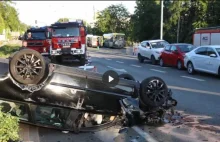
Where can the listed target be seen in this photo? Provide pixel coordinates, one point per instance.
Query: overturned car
(72, 99)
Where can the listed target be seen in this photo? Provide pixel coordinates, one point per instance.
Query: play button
(110, 78)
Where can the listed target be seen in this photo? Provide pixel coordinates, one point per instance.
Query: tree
(63, 20)
(112, 19)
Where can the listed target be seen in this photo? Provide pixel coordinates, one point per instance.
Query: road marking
(193, 78)
(158, 71)
(157, 66)
(145, 135)
(194, 90)
(121, 70)
(120, 62)
(109, 59)
(136, 66)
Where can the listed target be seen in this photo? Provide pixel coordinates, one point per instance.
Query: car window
(51, 116)
(186, 48)
(210, 51)
(201, 51)
(218, 51)
(19, 110)
(173, 48)
(143, 44)
(167, 48)
(159, 44)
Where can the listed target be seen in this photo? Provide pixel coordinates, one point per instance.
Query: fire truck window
(38, 35)
(15, 109)
(66, 32)
(51, 116)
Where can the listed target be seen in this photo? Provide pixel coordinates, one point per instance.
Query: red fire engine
(39, 40)
(69, 41)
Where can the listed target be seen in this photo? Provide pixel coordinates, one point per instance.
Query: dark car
(173, 54)
(67, 98)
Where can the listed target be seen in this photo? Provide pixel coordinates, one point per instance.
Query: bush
(9, 127)
(6, 50)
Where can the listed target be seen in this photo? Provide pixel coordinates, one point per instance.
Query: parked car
(204, 59)
(173, 54)
(151, 49)
(61, 97)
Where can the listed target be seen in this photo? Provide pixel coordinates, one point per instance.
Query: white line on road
(193, 78)
(109, 59)
(145, 135)
(158, 71)
(120, 62)
(136, 66)
(121, 70)
(157, 66)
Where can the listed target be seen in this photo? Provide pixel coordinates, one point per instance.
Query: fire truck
(40, 39)
(207, 36)
(69, 41)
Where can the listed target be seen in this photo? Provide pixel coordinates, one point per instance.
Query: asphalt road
(198, 99)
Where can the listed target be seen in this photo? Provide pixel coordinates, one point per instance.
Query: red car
(173, 54)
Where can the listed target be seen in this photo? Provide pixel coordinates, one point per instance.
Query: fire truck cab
(69, 42)
(39, 39)
(207, 36)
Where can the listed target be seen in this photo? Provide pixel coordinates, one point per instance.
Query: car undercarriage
(81, 101)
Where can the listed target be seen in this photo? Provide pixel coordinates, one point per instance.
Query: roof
(208, 28)
(156, 40)
(213, 46)
(38, 29)
(66, 24)
(180, 44)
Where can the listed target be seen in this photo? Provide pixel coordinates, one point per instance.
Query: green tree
(112, 19)
(2, 24)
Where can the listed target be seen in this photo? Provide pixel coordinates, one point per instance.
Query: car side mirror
(213, 55)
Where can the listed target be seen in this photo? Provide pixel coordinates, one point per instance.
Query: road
(198, 99)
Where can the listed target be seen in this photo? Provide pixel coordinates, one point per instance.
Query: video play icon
(110, 78)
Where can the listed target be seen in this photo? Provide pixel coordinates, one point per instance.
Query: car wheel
(27, 67)
(126, 76)
(153, 60)
(179, 65)
(140, 58)
(82, 61)
(190, 68)
(153, 92)
(161, 62)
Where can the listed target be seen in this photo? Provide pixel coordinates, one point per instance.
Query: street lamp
(161, 20)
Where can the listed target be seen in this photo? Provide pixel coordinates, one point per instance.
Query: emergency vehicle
(40, 39)
(69, 41)
(207, 36)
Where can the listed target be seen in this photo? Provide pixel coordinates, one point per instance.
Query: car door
(213, 62)
(148, 50)
(142, 46)
(165, 54)
(200, 58)
(173, 56)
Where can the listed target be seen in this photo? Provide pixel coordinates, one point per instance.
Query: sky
(48, 12)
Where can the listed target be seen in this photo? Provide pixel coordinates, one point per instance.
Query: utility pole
(178, 27)
(161, 20)
(178, 30)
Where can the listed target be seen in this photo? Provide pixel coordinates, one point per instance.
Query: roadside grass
(8, 49)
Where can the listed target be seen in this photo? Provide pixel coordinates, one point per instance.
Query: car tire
(126, 76)
(179, 65)
(24, 64)
(153, 60)
(149, 91)
(83, 60)
(140, 58)
(161, 62)
(190, 68)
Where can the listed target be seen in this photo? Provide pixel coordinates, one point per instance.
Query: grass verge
(8, 49)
